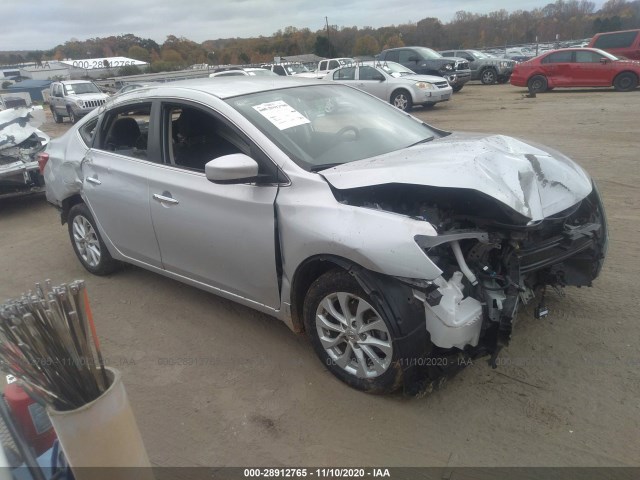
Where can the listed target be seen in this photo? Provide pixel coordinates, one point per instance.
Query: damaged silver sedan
(20, 144)
(397, 247)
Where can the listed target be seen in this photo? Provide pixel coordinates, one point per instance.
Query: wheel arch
(67, 205)
(398, 90)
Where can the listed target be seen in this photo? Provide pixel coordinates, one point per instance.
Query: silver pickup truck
(74, 99)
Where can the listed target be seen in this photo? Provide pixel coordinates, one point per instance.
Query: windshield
(319, 126)
(80, 88)
(427, 53)
(261, 72)
(296, 68)
(607, 54)
(394, 69)
(477, 54)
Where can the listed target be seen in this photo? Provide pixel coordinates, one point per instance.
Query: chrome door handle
(95, 181)
(162, 198)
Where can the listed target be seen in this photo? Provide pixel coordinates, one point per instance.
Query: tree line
(564, 20)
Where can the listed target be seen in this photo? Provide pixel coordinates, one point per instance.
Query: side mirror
(414, 58)
(379, 78)
(234, 168)
(604, 60)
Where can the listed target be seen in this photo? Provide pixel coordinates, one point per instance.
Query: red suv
(576, 67)
(623, 44)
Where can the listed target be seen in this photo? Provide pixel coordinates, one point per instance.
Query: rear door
(115, 184)
(219, 235)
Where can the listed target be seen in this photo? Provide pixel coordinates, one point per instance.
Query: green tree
(138, 53)
(366, 45)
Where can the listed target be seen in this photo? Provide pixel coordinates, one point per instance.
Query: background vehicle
(287, 69)
(242, 71)
(625, 43)
(425, 61)
(20, 144)
(394, 83)
(576, 67)
(326, 65)
(74, 99)
(485, 68)
(383, 238)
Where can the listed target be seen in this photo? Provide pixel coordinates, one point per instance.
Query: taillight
(43, 158)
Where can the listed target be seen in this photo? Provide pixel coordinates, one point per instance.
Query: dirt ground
(213, 383)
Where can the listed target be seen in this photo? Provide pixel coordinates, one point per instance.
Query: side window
(448, 54)
(393, 56)
(588, 57)
(333, 64)
(615, 40)
(347, 73)
(405, 55)
(279, 69)
(466, 56)
(323, 65)
(125, 131)
(193, 137)
(88, 131)
(558, 57)
(369, 73)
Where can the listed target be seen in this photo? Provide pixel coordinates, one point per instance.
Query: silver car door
(220, 235)
(369, 80)
(115, 182)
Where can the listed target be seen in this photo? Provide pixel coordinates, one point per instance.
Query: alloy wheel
(86, 241)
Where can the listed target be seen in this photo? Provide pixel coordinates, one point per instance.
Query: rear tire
(87, 242)
(56, 118)
(458, 88)
(402, 99)
(537, 84)
(488, 76)
(351, 337)
(625, 82)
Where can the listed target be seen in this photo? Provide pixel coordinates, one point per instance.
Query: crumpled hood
(18, 124)
(534, 181)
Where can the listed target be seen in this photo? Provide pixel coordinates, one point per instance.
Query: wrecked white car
(20, 143)
(399, 248)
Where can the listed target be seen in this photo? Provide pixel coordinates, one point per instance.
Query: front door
(220, 235)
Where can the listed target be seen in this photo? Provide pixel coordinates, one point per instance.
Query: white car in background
(392, 82)
(240, 72)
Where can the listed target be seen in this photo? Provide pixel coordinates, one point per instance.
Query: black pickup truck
(425, 61)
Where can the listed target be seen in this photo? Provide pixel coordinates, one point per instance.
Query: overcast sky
(43, 24)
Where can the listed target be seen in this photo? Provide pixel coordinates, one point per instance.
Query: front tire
(72, 116)
(537, 84)
(458, 88)
(402, 100)
(625, 82)
(488, 76)
(87, 243)
(350, 336)
(56, 118)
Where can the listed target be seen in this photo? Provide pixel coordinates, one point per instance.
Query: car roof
(227, 87)
(76, 81)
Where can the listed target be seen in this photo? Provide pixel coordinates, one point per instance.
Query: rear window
(615, 40)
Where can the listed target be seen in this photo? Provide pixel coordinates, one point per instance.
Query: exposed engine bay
(492, 258)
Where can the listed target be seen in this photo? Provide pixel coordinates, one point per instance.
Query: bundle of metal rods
(48, 341)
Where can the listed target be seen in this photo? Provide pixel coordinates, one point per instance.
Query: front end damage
(493, 255)
(20, 142)
(492, 260)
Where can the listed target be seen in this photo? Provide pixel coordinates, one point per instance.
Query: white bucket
(102, 433)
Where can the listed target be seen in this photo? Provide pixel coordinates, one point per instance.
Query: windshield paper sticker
(281, 114)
